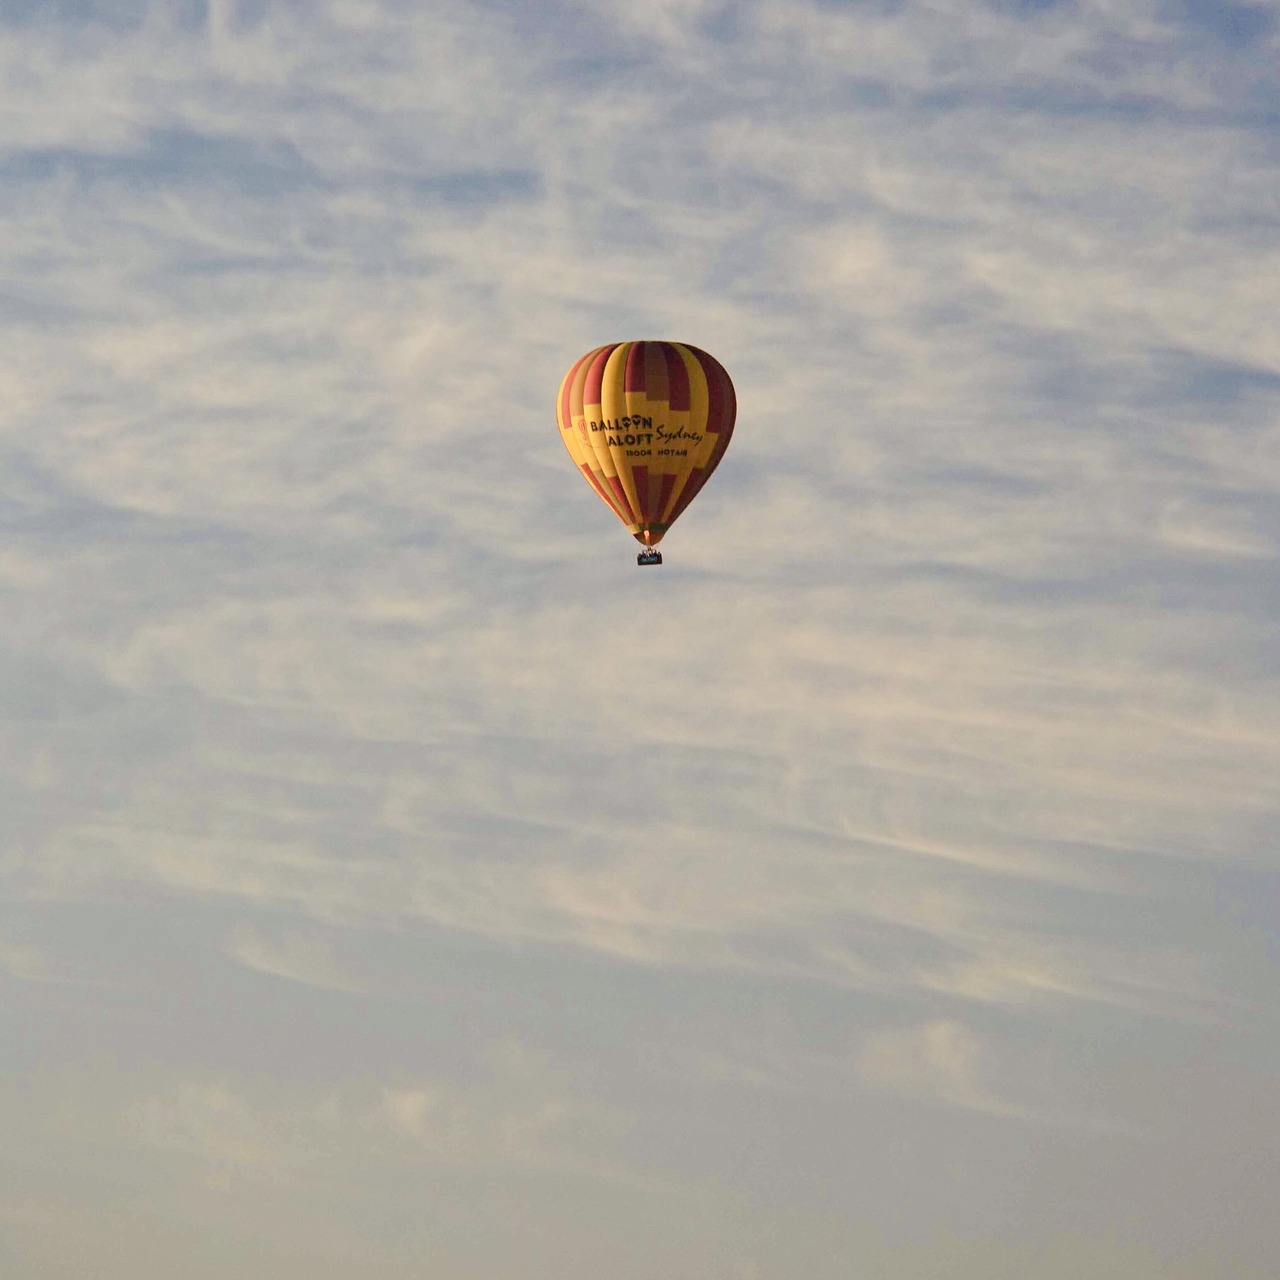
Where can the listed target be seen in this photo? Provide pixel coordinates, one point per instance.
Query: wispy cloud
(23, 961)
(938, 1060)
(513, 1113)
(299, 957)
(945, 1063)
(214, 1125)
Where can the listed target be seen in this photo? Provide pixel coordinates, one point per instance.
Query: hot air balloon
(646, 423)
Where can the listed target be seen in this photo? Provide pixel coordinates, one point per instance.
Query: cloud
(518, 1110)
(938, 1060)
(23, 961)
(514, 1112)
(296, 956)
(944, 1062)
(213, 1124)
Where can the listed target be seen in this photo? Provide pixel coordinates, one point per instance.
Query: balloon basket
(649, 557)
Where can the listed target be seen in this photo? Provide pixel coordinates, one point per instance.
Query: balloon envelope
(646, 423)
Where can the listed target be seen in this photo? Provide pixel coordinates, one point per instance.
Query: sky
(398, 882)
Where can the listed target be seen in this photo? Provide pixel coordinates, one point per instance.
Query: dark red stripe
(696, 480)
(719, 391)
(729, 412)
(722, 411)
(655, 371)
(640, 478)
(664, 495)
(595, 375)
(624, 503)
(715, 393)
(564, 409)
(702, 474)
(677, 378)
(634, 379)
(601, 490)
(566, 396)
